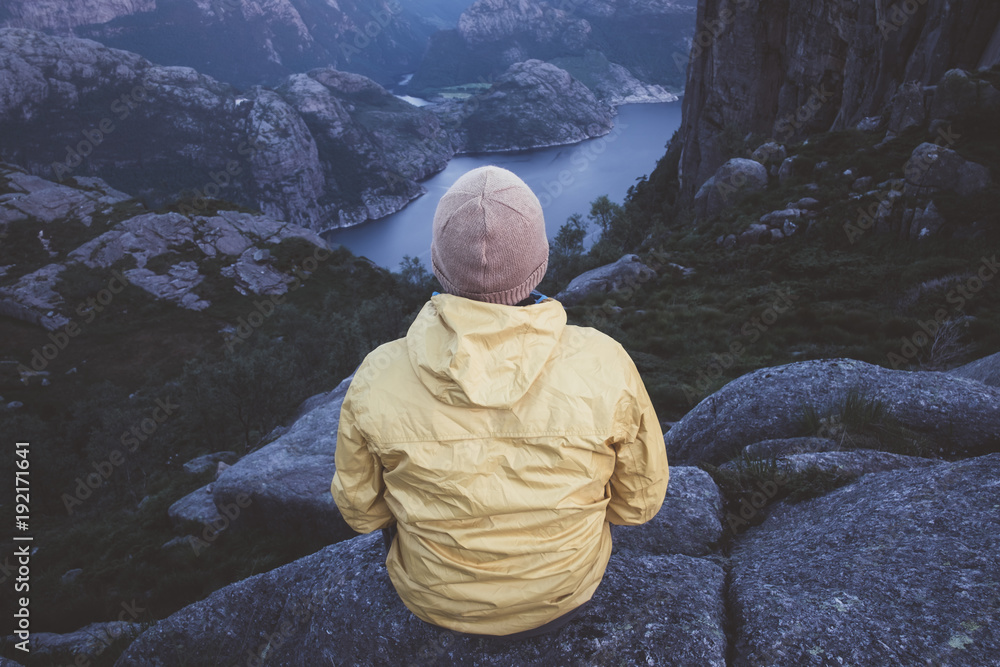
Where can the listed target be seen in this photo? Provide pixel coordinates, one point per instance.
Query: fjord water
(565, 178)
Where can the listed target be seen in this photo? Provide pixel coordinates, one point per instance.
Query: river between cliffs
(565, 178)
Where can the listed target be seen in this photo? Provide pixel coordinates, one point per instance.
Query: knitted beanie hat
(489, 240)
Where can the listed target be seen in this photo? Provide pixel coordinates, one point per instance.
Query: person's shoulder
(587, 340)
(379, 362)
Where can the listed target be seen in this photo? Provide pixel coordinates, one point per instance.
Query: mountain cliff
(239, 41)
(532, 104)
(790, 69)
(327, 149)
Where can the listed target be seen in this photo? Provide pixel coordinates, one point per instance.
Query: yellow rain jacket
(503, 442)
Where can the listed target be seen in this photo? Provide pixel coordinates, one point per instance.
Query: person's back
(501, 440)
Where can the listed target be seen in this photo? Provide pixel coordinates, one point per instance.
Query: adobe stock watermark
(913, 172)
(365, 36)
(750, 333)
(913, 344)
(195, 201)
(300, 612)
(87, 309)
(228, 514)
(265, 307)
(898, 15)
(130, 613)
(426, 144)
(581, 160)
(759, 499)
(784, 130)
(130, 441)
(122, 107)
(431, 652)
(711, 30)
(786, 127)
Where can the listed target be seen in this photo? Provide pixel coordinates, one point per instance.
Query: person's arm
(639, 481)
(357, 487)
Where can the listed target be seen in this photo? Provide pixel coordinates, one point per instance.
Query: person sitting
(497, 440)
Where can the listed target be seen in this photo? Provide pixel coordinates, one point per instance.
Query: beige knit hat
(489, 240)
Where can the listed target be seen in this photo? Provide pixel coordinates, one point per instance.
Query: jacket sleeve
(357, 487)
(639, 482)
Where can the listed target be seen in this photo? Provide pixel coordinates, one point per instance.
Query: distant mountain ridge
(239, 41)
(324, 149)
(640, 36)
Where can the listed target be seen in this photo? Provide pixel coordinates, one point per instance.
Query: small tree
(603, 211)
(565, 256)
(620, 230)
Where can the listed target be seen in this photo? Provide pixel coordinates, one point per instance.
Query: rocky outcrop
(896, 564)
(897, 568)
(610, 82)
(34, 297)
(287, 481)
(689, 522)
(228, 234)
(778, 447)
(849, 464)
(338, 607)
(729, 185)
(963, 415)
(905, 208)
(627, 273)
(533, 104)
(933, 169)
(207, 462)
(29, 197)
(985, 370)
(89, 642)
(488, 21)
(788, 70)
(272, 39)
(657, 604)
(373, 147)
(332, 149)
(196, 507)
(163, 254)
(56, 15)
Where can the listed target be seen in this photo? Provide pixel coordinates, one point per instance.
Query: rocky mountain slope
(532, 104)
(639, 37)
(788, 70)
(241, 42)
(92, 226)
(697, 585)
(339, 150)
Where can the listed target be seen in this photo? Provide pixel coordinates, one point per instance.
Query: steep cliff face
(331, 149)
(492, 35)
(787, 69)
(243, 42)
(373, 147)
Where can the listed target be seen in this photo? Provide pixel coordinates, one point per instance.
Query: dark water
(565, 178)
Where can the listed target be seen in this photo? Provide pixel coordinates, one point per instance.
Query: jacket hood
(476, 354)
